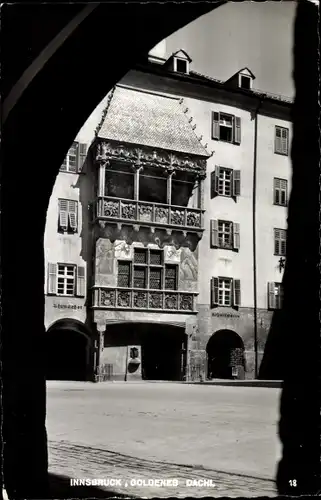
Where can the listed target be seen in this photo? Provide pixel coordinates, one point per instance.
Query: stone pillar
(102, 178)
(138, 168)
(99, 347)
(201, 197)
(169, 187)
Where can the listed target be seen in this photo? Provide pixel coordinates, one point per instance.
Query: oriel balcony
(149, 196)
(111, 209)
(143, 299)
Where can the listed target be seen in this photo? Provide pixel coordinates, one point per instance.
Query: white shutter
(72, 214)
(63, 214)
(215, 125)
(271, 295)
(236, 182)
(82, 153)
(236, 235)
(81, 281)
(214, 233)
(278, 145)
(237, 130)
(52, 279)
(236, 293)
(214, 292)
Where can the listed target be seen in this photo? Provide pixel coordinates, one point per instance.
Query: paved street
(165, 431)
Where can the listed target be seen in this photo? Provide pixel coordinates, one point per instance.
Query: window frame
(281, 151)
(230, 281)
(181, 59)
(281, 239)
(230, 245)
(148, 266)
(65, 167)
(65, 277)
(280, 190)
(230, 171)
(68, 228)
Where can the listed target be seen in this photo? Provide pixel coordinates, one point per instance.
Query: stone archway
(225, 355)
(67, 348)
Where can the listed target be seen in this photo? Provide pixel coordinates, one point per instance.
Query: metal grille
(124, 274)
(155, 279)
(139, 277)
(155, 258)
(140, 256)
(170, 277)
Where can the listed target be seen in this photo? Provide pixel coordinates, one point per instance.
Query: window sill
(281, 154)
(280, 205)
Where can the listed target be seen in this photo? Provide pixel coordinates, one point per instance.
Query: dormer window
(179, 62)
(180, 65)
(245, 82)
(243, 79)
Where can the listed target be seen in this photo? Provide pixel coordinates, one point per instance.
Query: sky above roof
(257, 35)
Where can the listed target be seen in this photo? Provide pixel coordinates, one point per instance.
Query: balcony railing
(144, 212)
(137, 299)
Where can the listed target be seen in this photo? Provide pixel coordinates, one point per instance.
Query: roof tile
(148, 119)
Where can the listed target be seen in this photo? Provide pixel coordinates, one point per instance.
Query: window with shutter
(214, 233)
(271, 295)
(236, 236)
(52, 279)
(71, 159)
(281, 140)
(63, 214)
(280, 191)
(237, 130)
(68, 215)
(226, 127)
(81, 282)
(237, 293)
(280, 242)
(236, 182)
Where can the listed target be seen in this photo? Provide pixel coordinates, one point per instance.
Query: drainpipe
(254, 236)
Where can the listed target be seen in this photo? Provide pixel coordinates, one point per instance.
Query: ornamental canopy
(143, 118)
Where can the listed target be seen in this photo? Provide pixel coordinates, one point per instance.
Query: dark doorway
(225, 355)
(163, 348)
(66, 354)
(163, 354)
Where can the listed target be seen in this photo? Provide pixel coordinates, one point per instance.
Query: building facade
(166, 229)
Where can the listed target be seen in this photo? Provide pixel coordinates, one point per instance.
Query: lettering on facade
(67, 306)
(226, 315)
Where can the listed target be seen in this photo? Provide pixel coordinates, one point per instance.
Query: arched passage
(67, 346)
(225, 355)
(161, 347)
